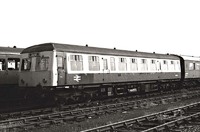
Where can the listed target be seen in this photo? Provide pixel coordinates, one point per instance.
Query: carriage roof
(92, 50)
(9, 50)
(191, 58)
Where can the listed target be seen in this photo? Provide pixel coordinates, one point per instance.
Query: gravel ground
(192, 128)
(115, 117)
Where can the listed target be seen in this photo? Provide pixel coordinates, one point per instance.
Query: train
(9, 66)
(9, 71)
(78, 73)
(73, 73)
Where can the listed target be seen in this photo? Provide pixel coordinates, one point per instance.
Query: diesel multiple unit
(9, 66)
(81, 71)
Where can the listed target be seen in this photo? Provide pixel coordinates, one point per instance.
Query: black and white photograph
(99, 66)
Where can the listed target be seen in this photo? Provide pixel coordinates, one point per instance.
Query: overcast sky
(163, 26)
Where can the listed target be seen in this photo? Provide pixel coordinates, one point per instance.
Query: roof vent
(114, 48)
(167, 53)
(154, 52)
(14, 46)
(136, 51)
(86, 45)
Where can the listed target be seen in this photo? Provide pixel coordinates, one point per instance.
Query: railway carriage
(79, 71)
(9, 73)
(9, 66)
(191, 71)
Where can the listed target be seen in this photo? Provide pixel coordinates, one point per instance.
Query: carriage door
(105, 69)
(13, 70)
(3, 71)
(61, 69)
(105, 65)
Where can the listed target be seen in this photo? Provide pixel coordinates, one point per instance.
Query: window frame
(16, 63)
(112, 61)
(3, 65)
(75, 59)
(93, 61)
(29, 65)
(133, 64)
(39, 61)
(122, 64)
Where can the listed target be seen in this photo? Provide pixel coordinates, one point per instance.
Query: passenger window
(94, 63)
(112, 64)
(164, 65)
(186, 66)
(177, 66)
(122, 64)
(191, 66)
(172, 65)
(13, 63)
(133, 64)
(2, 64)
(26, 64)
(197, 66)
(153, 65)
(143, 65)
(42, 63)
(76, 62)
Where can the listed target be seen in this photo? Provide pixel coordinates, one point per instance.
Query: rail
(152, 122)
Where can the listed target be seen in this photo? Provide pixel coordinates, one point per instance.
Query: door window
(105, 64)
(112, 63)
(60, 62)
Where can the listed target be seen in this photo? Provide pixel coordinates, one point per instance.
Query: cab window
(2, 64)
(26, 64)
(76, 62)
(42, 63)
(13, 63)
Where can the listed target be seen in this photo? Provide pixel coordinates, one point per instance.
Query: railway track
(42, 118)
(22, 110)
(169, 120)
(31, 110)
(129, 101)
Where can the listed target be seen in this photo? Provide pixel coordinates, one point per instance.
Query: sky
(161, 26)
